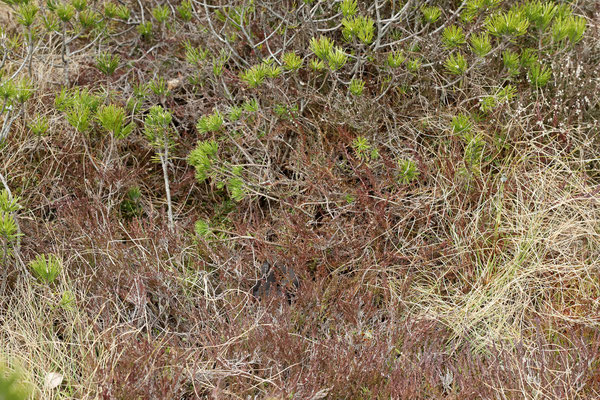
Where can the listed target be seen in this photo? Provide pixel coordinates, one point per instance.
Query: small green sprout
(337, 59)
(110, 10)
(528, 57)
(158, 131)
(413, 65)
(8, 203)
(112, 119)
(79, 117)
(480, 44)
(235, 113)
(359, 27)
(395, 59)
(210, 123)
(488, 103)
(571, 27)
(511, 62)
(131, 205)
(46, 267)
(107, 63)
(219, 62)
(27, 13)
(456, 64)
(65, 12)
(316, 65)
(161, 13)
(255, 75)
(362, 148)
(322, 47)
(291, 61)
(9, 231)
(145, 29)
(157, 126)
(123, 12)
(202, 228)
(67, 300)
(194, 55)
(407, 171)
(539, 75)
(23, 90)
(431, 14)
(235, 185)
(474, 152)
(89, 18)
(511, 23)
(453, 37)
(506, 94)
(475, 7)
(39, 126)
(540, 13)
(159, 86)
(272, 70)
(8, 90)
(79, 5)
(348, 7)
(202, 158)
(356, 86)
(461, 124)
(251, 105)
(184, 10)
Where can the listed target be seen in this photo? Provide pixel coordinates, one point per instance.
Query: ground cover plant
(305, 199)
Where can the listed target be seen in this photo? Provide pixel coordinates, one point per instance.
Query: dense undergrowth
(428, 170)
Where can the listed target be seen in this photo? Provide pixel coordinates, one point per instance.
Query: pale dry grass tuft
(537, 260)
